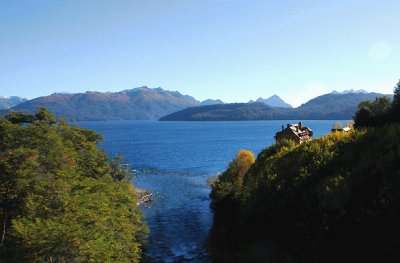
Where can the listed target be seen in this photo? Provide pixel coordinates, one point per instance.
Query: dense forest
(61, 198)
(332, 199)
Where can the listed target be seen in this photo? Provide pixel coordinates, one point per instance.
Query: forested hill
(228, 112)
(329, 106)
(332, 199)
(335, 199)
(136, 104)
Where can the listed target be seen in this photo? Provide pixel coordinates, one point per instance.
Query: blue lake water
(174, 160)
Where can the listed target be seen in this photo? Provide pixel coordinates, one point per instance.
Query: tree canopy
(396, 102)
(61, 198)
(380, 112)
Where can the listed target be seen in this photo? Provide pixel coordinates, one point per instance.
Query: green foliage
(61, 199)
(238, 168)
(396, 102)
(373, 113)
(228, 183)
(380, 112)
(332, 199)
(120, 171)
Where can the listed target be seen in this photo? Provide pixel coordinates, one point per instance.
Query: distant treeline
(333, 199)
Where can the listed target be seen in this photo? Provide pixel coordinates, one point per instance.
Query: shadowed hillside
(332, 199)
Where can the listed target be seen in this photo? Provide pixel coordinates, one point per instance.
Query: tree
(120, 171)
(238, 167)
(396, 103)
(61, 200)
(373, 113)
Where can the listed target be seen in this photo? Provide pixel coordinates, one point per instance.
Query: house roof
(303, 133)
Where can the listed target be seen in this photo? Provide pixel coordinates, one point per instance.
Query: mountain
(228, 112)
(211, 102)
(135, 104)
(333, 106)
(274, 101)
(350, 91)
(9, 102)
(325, 107)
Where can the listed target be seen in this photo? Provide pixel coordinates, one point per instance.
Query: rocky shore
(143, 196)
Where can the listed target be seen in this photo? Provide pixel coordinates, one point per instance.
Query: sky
(235, 51)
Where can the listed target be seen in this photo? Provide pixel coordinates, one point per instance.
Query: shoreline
(143, 196)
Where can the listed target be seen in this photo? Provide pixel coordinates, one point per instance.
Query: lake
(173, 160)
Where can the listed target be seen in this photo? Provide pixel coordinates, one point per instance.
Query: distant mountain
(350, 91)
(334, 106)
(325, 107)
(228, 112)
(136, 104)
(211, 102)
(274, 101)
(9, 102)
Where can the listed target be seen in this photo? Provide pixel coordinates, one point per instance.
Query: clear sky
(231, 50)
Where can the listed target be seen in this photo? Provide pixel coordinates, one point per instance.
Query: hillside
(9, 102)
(334, 106)
(228, 112)
(135, 104)
(328, 107)
(334, 199)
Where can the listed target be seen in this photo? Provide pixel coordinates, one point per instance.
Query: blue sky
(231, 50)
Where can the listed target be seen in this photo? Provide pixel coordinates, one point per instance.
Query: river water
(173, 160)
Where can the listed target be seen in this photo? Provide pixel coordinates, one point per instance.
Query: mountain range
(136, 104)
(144, 103)
(333, 106)
(9, 102)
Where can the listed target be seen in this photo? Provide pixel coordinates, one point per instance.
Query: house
(296, 132)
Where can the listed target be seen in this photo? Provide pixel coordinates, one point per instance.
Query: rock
(143, 196)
